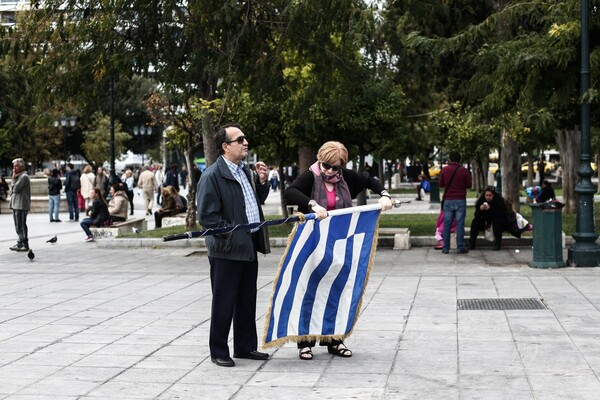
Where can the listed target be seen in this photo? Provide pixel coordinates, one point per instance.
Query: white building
(8, 9)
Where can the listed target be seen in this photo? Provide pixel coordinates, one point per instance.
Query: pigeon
(30, 255)
(135, 230)
(52, 240)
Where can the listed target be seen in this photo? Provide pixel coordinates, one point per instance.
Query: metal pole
(111, 91)
(585, 252)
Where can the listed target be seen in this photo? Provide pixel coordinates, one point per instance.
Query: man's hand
(262, 171)
(386, 203)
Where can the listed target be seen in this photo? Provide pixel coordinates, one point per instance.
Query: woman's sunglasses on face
(327, 166)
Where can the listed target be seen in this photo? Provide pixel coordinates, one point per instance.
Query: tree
(96, 142)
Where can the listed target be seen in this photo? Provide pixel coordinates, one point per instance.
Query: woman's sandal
(306, 353)
(339, 351)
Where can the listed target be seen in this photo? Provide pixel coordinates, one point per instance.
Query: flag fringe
(323, 338)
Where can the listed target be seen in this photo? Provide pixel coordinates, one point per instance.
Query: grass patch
(419, 224)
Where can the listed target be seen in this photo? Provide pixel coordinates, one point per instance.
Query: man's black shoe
(463, 251)
(253, 355)
(223, 362)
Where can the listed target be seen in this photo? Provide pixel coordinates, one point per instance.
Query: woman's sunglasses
(334, 168)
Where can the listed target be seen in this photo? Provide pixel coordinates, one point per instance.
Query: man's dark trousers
(234, 297)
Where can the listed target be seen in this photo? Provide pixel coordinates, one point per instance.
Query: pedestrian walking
(20, 203)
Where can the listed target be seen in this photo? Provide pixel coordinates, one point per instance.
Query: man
(183, 174)
(72, 185)
(159, 177)
(20, 203)
(229, 194)
(147, 184)
(101, 181)
(455, 179)
(172, 177)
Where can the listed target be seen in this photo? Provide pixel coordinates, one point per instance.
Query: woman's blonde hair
(87, 169)
(333, 152)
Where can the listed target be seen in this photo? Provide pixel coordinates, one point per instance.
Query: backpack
(75, 183)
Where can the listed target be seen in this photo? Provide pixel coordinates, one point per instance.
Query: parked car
(525, 166)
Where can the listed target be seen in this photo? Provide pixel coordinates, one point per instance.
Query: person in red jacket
(455, 179)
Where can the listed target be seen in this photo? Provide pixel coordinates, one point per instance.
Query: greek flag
(322, 275)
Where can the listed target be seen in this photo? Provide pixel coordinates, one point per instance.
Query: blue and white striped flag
(322, 275)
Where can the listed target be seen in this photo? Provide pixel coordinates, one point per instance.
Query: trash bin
(434, 191)
(547, 235)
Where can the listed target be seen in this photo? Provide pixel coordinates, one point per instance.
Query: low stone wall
(119, 228)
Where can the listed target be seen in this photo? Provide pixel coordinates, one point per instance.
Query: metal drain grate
(501, 304)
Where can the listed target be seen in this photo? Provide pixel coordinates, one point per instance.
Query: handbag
(489, 234)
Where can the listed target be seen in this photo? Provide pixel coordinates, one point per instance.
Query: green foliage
(96, 143)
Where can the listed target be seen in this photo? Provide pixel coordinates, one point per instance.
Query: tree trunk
(306, 157)
(477, 175)
(569, 142)
(511, 170)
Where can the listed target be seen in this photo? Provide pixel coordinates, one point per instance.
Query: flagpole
(257, 225)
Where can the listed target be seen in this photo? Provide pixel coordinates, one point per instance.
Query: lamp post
(142, 130)
(585, 252)
(72, 120)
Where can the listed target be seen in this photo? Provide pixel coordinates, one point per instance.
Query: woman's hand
(386, 203)
(319, 211)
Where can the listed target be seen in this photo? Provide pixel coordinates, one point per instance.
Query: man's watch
(311, 204)
(385, 194)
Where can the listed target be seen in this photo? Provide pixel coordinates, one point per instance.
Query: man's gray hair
(19, 161)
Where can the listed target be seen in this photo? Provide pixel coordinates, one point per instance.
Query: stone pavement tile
(50, 359)
(494, 394)
(92, 374)
(32, 372)
(209, 374)
(356, 380)
(51, 387)
(11, 385)
(413, 381)
(128, 390)
(38, 397)
(157, 375)
(565, 386)
(487, 345)
(429, 346)
(88, 337)
(321, 393)
(350, 366)
(191, 391)
(156, 361)
(421, 394)
(126, 349)
(555, 362)
(72, 348)
(284, 378)
(108, 361)
(504, 363)
(418, 363)
(318, 364)
(513, 383)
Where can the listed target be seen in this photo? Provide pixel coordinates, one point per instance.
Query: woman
(180, 201)
(97, 215)
(87, 184)
(54, 187)
(547, 193)
(117, 206)
(490, 211)
(168, 208)
(128, 180)
(327, 185)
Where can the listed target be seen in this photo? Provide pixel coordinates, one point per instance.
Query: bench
(401, 237)
(119, 228)
(175, 220)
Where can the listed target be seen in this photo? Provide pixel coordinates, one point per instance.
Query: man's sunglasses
(331, 167)
(239, 139)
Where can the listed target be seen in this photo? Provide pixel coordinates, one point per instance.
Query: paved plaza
(85, 322)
